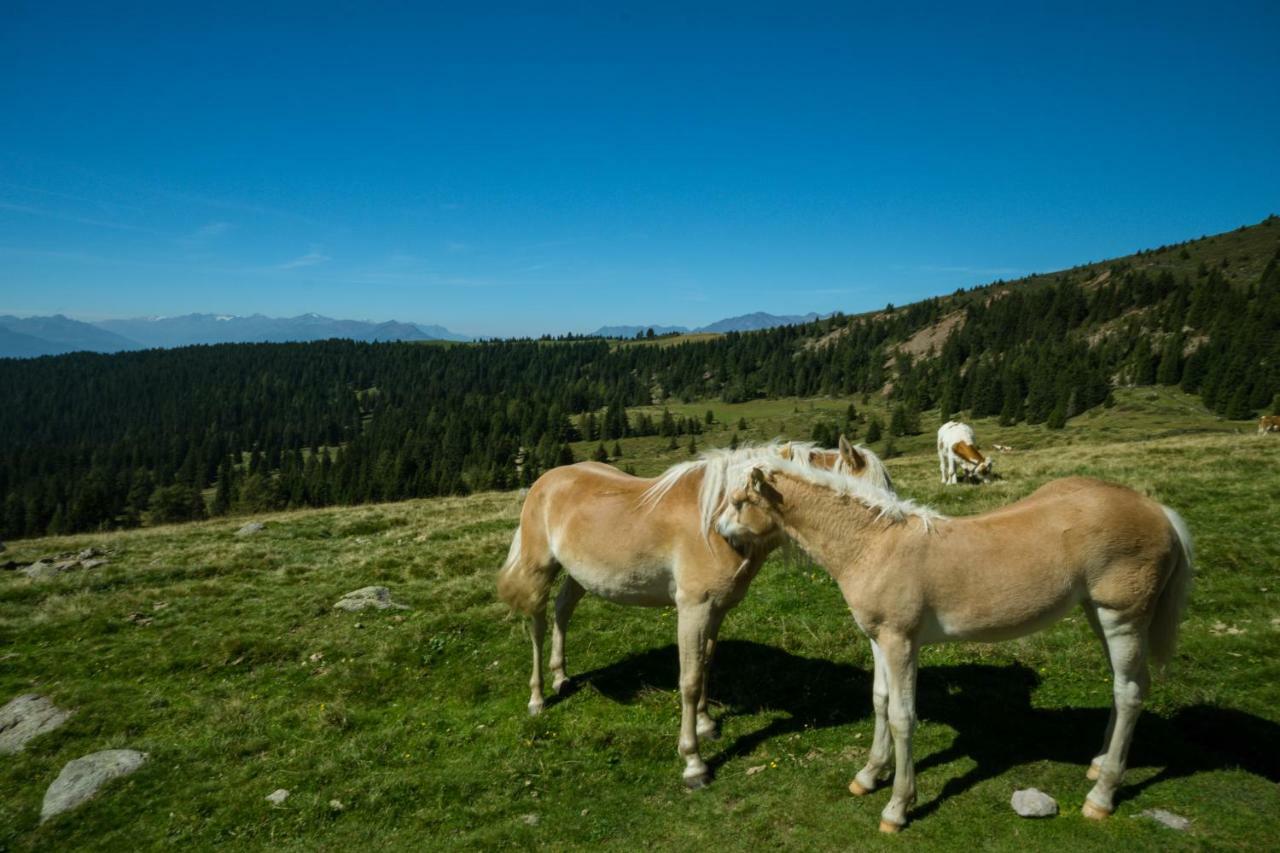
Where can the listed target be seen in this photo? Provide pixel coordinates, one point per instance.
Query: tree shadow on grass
(988, 706)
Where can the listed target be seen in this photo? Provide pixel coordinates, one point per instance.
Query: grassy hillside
(223, 659)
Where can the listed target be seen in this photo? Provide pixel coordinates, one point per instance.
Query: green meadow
(223, 659)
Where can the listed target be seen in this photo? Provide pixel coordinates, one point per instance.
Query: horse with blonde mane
(649, 542)
(913, 577)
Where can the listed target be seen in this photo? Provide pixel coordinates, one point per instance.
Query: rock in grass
(26, 717)
(81, 779)
(278, 796)
(1169, 819)
(1032, 802)
(251, 528)
(378, 597)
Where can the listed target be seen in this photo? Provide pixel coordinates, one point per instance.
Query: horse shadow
(989, 707)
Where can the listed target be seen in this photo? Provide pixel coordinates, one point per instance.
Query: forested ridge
(93, 441)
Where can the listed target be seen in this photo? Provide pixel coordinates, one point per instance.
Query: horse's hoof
(560, 686)
(694, 783)
(1093, 811)
(889, 827)
(858, 789)
(1095, 770)
(535, 708)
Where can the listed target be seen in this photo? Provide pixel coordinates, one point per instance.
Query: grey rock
(251, 528)
(278, 796)
(378, 597)
(530, 819)
(88, 554)
(1169, 819)
(80, 779)
(41, 570)
(26, 717)
(1032, 802)
(92, 564)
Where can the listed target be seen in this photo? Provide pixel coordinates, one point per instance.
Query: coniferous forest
(102, 441)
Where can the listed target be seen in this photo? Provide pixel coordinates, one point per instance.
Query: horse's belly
(638, 586)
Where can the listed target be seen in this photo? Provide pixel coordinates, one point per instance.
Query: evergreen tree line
(98, 441)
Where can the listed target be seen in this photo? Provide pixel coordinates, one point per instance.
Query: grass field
(245, 680)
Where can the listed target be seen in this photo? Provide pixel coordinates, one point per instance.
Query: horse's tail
(1163, 636)
(524, 583)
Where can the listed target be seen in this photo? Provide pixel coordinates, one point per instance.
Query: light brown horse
(912, 577)
(649, 542)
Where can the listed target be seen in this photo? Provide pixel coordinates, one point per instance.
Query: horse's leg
(706, 726)
(1095, 766)
(692, 638)
(571, 593)
(901, 655)
(1127, 647)
(881, 746)
(537, 631)
(942, 467)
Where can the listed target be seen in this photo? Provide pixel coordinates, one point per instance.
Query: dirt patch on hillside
(931, 337)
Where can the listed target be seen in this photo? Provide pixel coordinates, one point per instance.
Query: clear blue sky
(514, 171)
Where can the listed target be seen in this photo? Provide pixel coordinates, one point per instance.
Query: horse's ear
(851, 455)
(758, 479)
(785, 451)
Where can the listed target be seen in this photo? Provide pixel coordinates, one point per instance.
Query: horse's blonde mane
(718, 464)
(872, 495)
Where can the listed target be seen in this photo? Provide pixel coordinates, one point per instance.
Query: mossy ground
(245, 680)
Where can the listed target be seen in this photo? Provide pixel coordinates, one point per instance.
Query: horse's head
(749, 513)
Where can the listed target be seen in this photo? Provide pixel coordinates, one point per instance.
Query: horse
(913, 577)
(958, 453)
(649, 542)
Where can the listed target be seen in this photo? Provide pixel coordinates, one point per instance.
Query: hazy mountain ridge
(28, 337)
(753, 322)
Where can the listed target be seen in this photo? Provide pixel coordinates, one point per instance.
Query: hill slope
(222, 658)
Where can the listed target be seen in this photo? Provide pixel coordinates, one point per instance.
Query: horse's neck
(836, 530)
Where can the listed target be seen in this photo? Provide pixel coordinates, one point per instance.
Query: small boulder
(1032, 802)
(251, 528)
(88, 554)
(1169, 819)
(80, 779)
(27, 717)
(278, 796)
(378, 597)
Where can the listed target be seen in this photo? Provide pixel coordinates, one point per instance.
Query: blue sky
(519, 171)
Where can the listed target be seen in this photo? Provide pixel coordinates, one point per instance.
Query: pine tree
(874, 429)
(742, 424)
(693, 444)
(617, 450)
(600, 454)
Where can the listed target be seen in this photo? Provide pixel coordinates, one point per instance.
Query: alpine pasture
(223, 659)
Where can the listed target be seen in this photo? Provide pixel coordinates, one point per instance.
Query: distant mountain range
(743, 323)
(27, 337)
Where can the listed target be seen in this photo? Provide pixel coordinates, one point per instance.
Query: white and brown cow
(1268, 423)
(958, 454)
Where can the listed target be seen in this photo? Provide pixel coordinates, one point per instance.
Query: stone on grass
(378, 597)
(50, 567)
(80, 779)
(278, 796)
(1169, 819)
(251, 528)
(26, 717)
(530, 819)
(1032, 802)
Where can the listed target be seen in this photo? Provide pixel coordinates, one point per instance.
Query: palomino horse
(913, 577)
(649, 542)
